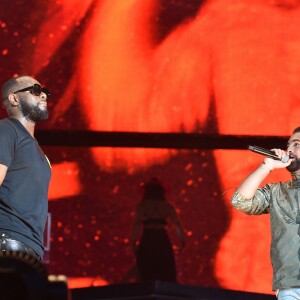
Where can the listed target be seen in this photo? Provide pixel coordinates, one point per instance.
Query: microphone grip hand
(275, 154)
(283, 160)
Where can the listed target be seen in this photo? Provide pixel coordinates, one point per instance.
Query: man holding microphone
(282, 201)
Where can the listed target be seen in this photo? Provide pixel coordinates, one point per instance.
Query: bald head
(21, 100)
(12, 85)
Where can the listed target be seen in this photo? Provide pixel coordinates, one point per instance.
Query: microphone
(268, 153)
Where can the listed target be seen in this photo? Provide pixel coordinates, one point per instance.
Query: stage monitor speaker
(23, 277)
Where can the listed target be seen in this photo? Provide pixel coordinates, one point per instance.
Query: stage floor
(162, 291)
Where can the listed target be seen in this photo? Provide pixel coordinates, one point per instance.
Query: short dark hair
(296, 130)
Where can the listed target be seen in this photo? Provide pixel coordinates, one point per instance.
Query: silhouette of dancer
(154, 253)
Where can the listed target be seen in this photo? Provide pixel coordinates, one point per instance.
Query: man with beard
(24, 169)
(281, 200)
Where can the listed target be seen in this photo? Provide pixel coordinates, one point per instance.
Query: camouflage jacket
(281, 200)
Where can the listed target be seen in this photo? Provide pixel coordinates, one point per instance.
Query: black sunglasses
(35, 89)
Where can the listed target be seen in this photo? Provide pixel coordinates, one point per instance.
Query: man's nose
(43, 95)
(289, 149)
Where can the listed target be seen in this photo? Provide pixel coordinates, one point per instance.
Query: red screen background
(216, 67)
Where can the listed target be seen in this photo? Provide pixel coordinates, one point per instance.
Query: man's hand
(272, 164)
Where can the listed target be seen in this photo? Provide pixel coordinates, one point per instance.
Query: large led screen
(186, 66)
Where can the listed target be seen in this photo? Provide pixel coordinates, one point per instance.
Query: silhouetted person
(154, 253)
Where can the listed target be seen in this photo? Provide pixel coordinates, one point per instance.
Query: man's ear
(13, 99)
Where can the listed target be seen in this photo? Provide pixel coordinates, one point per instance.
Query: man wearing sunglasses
(24, 169)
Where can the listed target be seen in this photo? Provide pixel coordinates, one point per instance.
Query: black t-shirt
(24, 191)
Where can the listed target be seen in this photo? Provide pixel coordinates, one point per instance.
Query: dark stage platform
(159, 290)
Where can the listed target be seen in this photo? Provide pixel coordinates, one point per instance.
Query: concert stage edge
(159, 290)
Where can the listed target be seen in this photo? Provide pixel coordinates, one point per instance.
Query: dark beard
(294, 166)
(33, 113)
